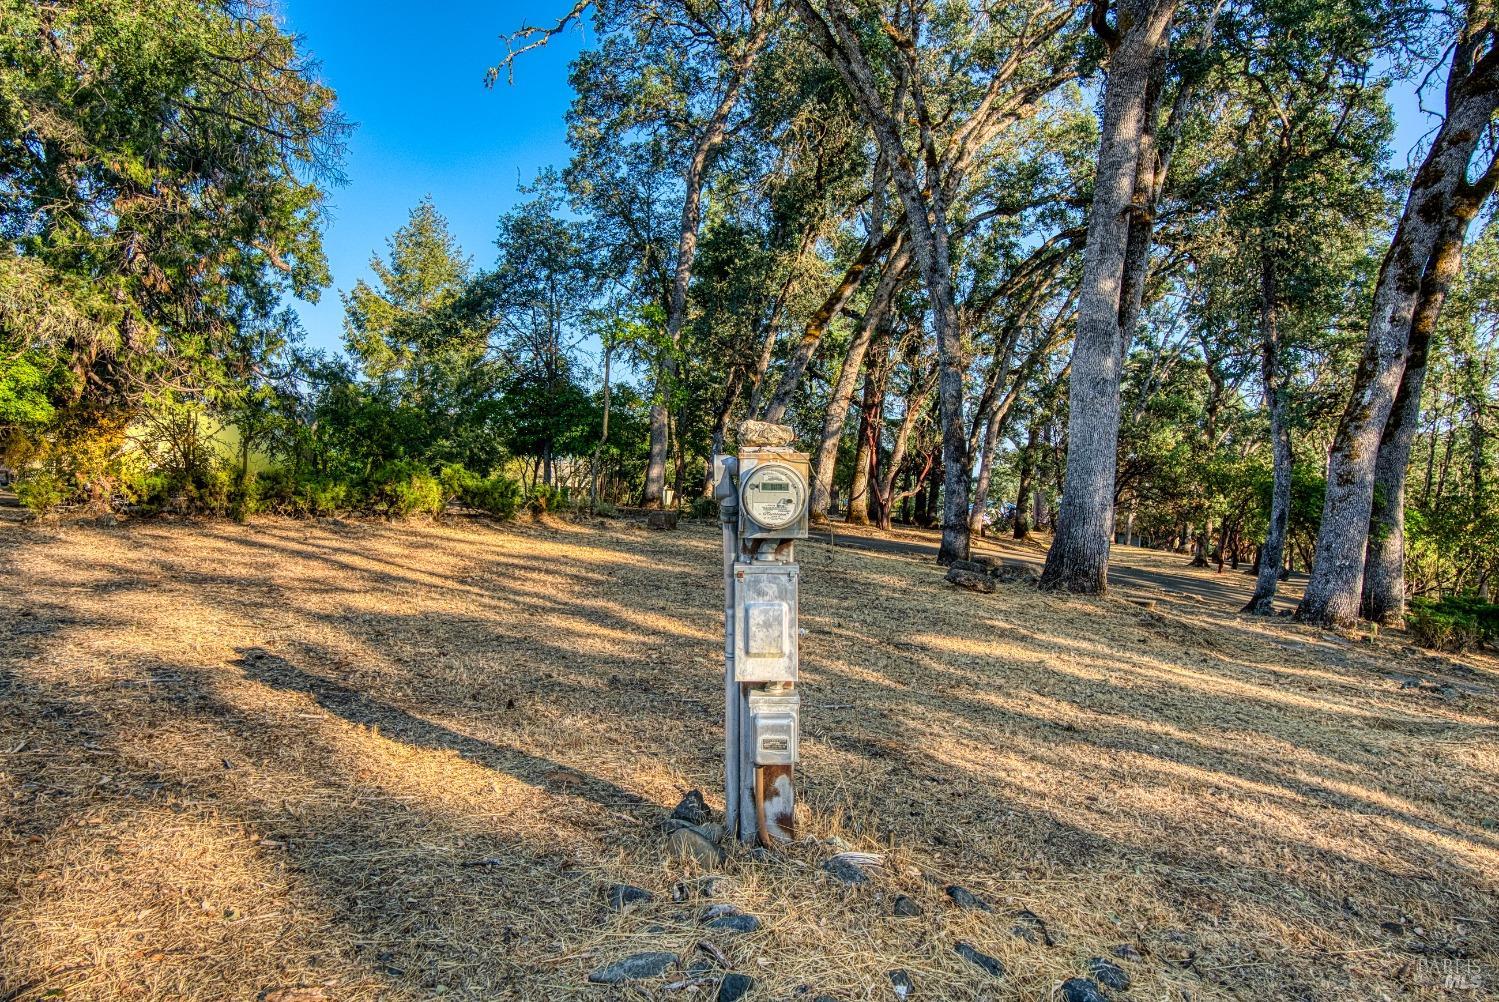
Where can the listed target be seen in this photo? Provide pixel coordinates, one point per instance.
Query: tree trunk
(1079, 556)
(993, 419)
(924, 205)
(708, 141)
(916, 399)
(721, 424)
(1027, 472)
(1335, 589)
(1267, 579)
(871, 425)
(817, 326)
(1200, 544)
(1384, 564)
(598, 450)
(825, 456)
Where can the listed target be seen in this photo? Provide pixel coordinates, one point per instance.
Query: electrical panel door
(765, 627)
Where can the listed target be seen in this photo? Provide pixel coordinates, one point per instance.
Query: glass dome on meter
(773, 496)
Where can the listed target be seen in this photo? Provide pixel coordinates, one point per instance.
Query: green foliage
(42, 492)
(204, 490)
(281, 492)
(139, 143)
(24, 392)
(496, 494)
(702, 507)
(544, 498)
(403, 488)
(1455, 624)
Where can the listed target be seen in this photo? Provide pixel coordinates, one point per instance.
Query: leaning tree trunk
(817, 327)
(1334, 591)
(1383, 598)
(1027, 473)
(1079, 556)
(924, 207)
(825, 458)
(692, 209)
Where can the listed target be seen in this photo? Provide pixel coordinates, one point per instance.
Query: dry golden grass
(297, 761)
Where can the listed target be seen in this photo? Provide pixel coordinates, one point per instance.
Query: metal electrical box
(765, 622)
(775, 718)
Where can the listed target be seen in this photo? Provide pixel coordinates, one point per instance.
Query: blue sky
(411, 79)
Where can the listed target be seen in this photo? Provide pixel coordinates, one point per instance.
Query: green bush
(404, 488)
(41, 492)
(498, 495)
(279, 492)
(205, 491)
(458, 482)
(544, 498)
(495, 494)
(1454, 624)
(702, 507)
(323, 497)
(244, 497)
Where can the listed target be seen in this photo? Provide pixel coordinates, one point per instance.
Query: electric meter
(774, 495)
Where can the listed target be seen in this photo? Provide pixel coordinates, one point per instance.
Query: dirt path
(319, 762)
(1133, 571)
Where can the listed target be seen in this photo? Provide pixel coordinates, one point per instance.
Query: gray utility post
(762, 498)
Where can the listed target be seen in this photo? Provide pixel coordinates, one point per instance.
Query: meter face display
(774, 496)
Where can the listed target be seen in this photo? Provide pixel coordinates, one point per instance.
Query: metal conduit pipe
(728, 516)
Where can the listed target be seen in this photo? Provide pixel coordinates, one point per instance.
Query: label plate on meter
(765, 622)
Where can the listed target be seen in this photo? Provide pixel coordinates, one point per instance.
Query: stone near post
(764, 435)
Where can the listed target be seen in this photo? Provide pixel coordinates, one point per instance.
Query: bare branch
(532, 37)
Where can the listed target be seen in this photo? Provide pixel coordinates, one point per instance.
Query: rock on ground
(971, 580)
(635, 967)
(1082, 990)
(846, 871)
(735, 923)
(964, 898)
(627, 894)
(906, 907)
(690, 843)
(1109, 974)
(988, 964)
(693, 809)
(734, 987)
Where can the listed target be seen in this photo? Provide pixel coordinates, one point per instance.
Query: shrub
(498, 495)
(244, 497)
(207, 490)
(458, 482)
(403, 488)
(702, 507)
(544, 498)
(321, 496)
(1454, 624)
(495, 494)
(278, 491)
(41, 492)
